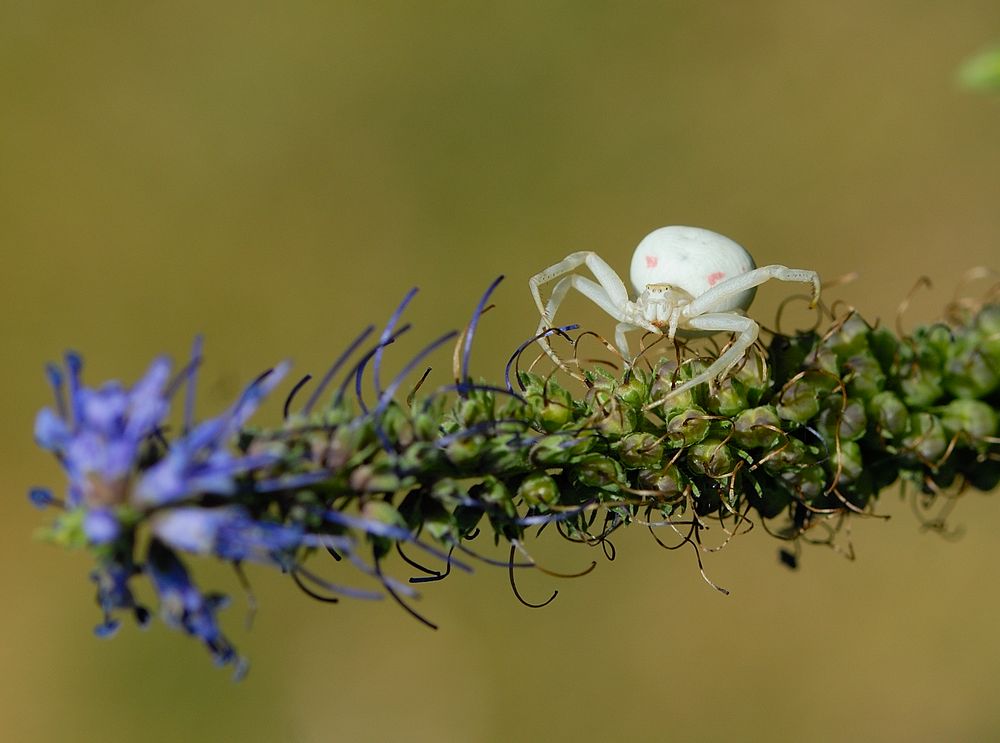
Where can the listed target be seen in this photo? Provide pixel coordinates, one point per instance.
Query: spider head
(658, 301)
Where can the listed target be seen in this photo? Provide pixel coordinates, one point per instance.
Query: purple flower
(113, 593)
(100, 442)
(184, 607)
(103, 434)
(101, 526)
(123, 471)
(228, 532)
(200, 462)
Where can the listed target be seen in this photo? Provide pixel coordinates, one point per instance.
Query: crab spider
(691, 282)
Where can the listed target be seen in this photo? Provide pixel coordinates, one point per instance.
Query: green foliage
(981, 71)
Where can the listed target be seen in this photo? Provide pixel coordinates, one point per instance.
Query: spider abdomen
(692, 259)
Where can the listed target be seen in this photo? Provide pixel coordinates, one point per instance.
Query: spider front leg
(622, 342)
(608, 293)
(745, 331)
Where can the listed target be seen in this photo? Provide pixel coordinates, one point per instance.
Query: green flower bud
(850, 338)
(495, 492)
(506, 452)
(339, 412)
(754, 378)
(553, 451)
(972, 417)
(988, 320)
(668, 376)
(609, 415)
(728, 398)
(477, 406)
(926, 438)
(865, 377)
(937, 338)
(848, 460)
(334, 450)
(824, 358)
(668, 480)
(634, 391)
(968, 373)
(449, 492)
(889, 414)
(809, 482)
(598, 471)
(538, 489)
(426, 419)
(757, 428)
(549, 404)
(464, 451)
(849, 423)
(421, 456)
(640, 450)
(788, 454)
(987, 330)
(382, 478)
(382, 512)
(687, 427)
(884, 346)
(711, 457)
(600, 378)
(397, 426)
(921, 383)
(799, 400)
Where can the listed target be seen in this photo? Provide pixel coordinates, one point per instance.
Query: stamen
(291, 395)
(335, 368)
(357, 371)
(473, 324)
(190, 391)
(384, 340)
(74, 364)
(55, 376)
(513, 585)
(515, 357)
(409, 609)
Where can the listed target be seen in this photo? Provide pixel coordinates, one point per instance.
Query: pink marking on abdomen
(651, 261)
(715, 278)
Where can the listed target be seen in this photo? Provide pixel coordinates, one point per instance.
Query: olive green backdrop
(277, 175)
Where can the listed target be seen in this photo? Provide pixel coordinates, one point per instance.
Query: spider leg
(608, 292)
(605, 275)
(591, 290)
(745, 330)
(622, 342)
(709, 301)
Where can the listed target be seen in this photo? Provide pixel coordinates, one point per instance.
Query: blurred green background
(278, 175)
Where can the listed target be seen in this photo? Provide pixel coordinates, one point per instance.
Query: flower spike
(800, 443)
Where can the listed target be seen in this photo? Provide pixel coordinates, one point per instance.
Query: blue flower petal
(101, 526)
(104, 409)
(51, 431)
(183, 605)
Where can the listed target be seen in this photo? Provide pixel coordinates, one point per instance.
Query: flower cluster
(802, 435)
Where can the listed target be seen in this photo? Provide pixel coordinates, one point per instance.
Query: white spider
(691, 282)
